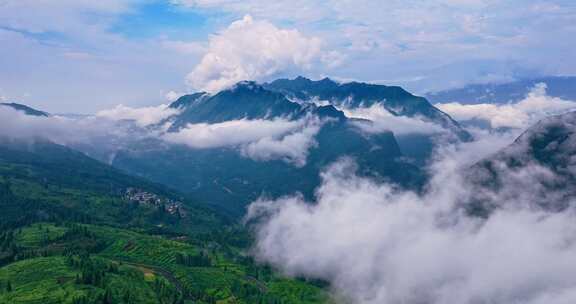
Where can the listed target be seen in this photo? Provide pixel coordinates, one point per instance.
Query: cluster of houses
(152, 200)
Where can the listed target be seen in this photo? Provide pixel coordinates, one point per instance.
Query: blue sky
(160, 18)
(84, 56)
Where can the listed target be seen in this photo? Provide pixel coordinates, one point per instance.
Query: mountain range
(541, 161)
(159, 223)
(500, 93)
(223, 176)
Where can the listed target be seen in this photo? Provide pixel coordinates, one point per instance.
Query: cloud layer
(253, 50)
(377, 244)
(293, 148)
(117, 128)
(259, 139)
(535, 106)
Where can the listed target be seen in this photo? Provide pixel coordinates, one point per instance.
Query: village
(153, 200)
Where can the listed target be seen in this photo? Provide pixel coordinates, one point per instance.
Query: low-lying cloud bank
(377, 244)
(259, 139)
(535, 106)
(111, 130)
(59, 129)
(96, 136)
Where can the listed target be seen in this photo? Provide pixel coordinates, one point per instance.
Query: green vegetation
(69, 234)
(83, 263)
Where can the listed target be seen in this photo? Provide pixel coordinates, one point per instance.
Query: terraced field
(142, 260)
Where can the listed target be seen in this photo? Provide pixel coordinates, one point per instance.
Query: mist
(536, 105)
(376, 243)
(103, 134)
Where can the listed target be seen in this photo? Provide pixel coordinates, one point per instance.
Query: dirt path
(163, 272)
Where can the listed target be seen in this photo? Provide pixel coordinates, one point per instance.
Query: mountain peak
(24, 108)
(330, 111)
(247, 85)
(244, 100)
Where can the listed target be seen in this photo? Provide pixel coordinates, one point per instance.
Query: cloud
(59, 129)
(536, 105)
(143, 116)
(382, 120)
(378, 244)
(292, 148)
(451, 43)
(438, 42)
(230, 133)
(79, 41)
(65, 16)
(259, 139)
(172, 96)
(98, 137)
(118, 128)
(253, 50)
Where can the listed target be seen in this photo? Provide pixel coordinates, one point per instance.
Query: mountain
(353, 95)
(26, 109)
(82, 186)
(561, 87)
(230, 180)
(228, 177)
(541, 162)
(246, 100)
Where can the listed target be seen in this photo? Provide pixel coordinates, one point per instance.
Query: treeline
(19, 212)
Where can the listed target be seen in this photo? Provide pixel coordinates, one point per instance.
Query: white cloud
(382, 120)
(94, 59)
(447, 41)
(253, 50)
(292, 148)
(117, 128)
(59, 129)
(259, 139)
(535, 106)
(377, 244)
(230, 133)
(143, 116)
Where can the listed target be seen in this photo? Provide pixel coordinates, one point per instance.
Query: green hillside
(74, 230)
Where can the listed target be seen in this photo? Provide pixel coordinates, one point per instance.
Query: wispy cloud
(259, 139)
(143, 116)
